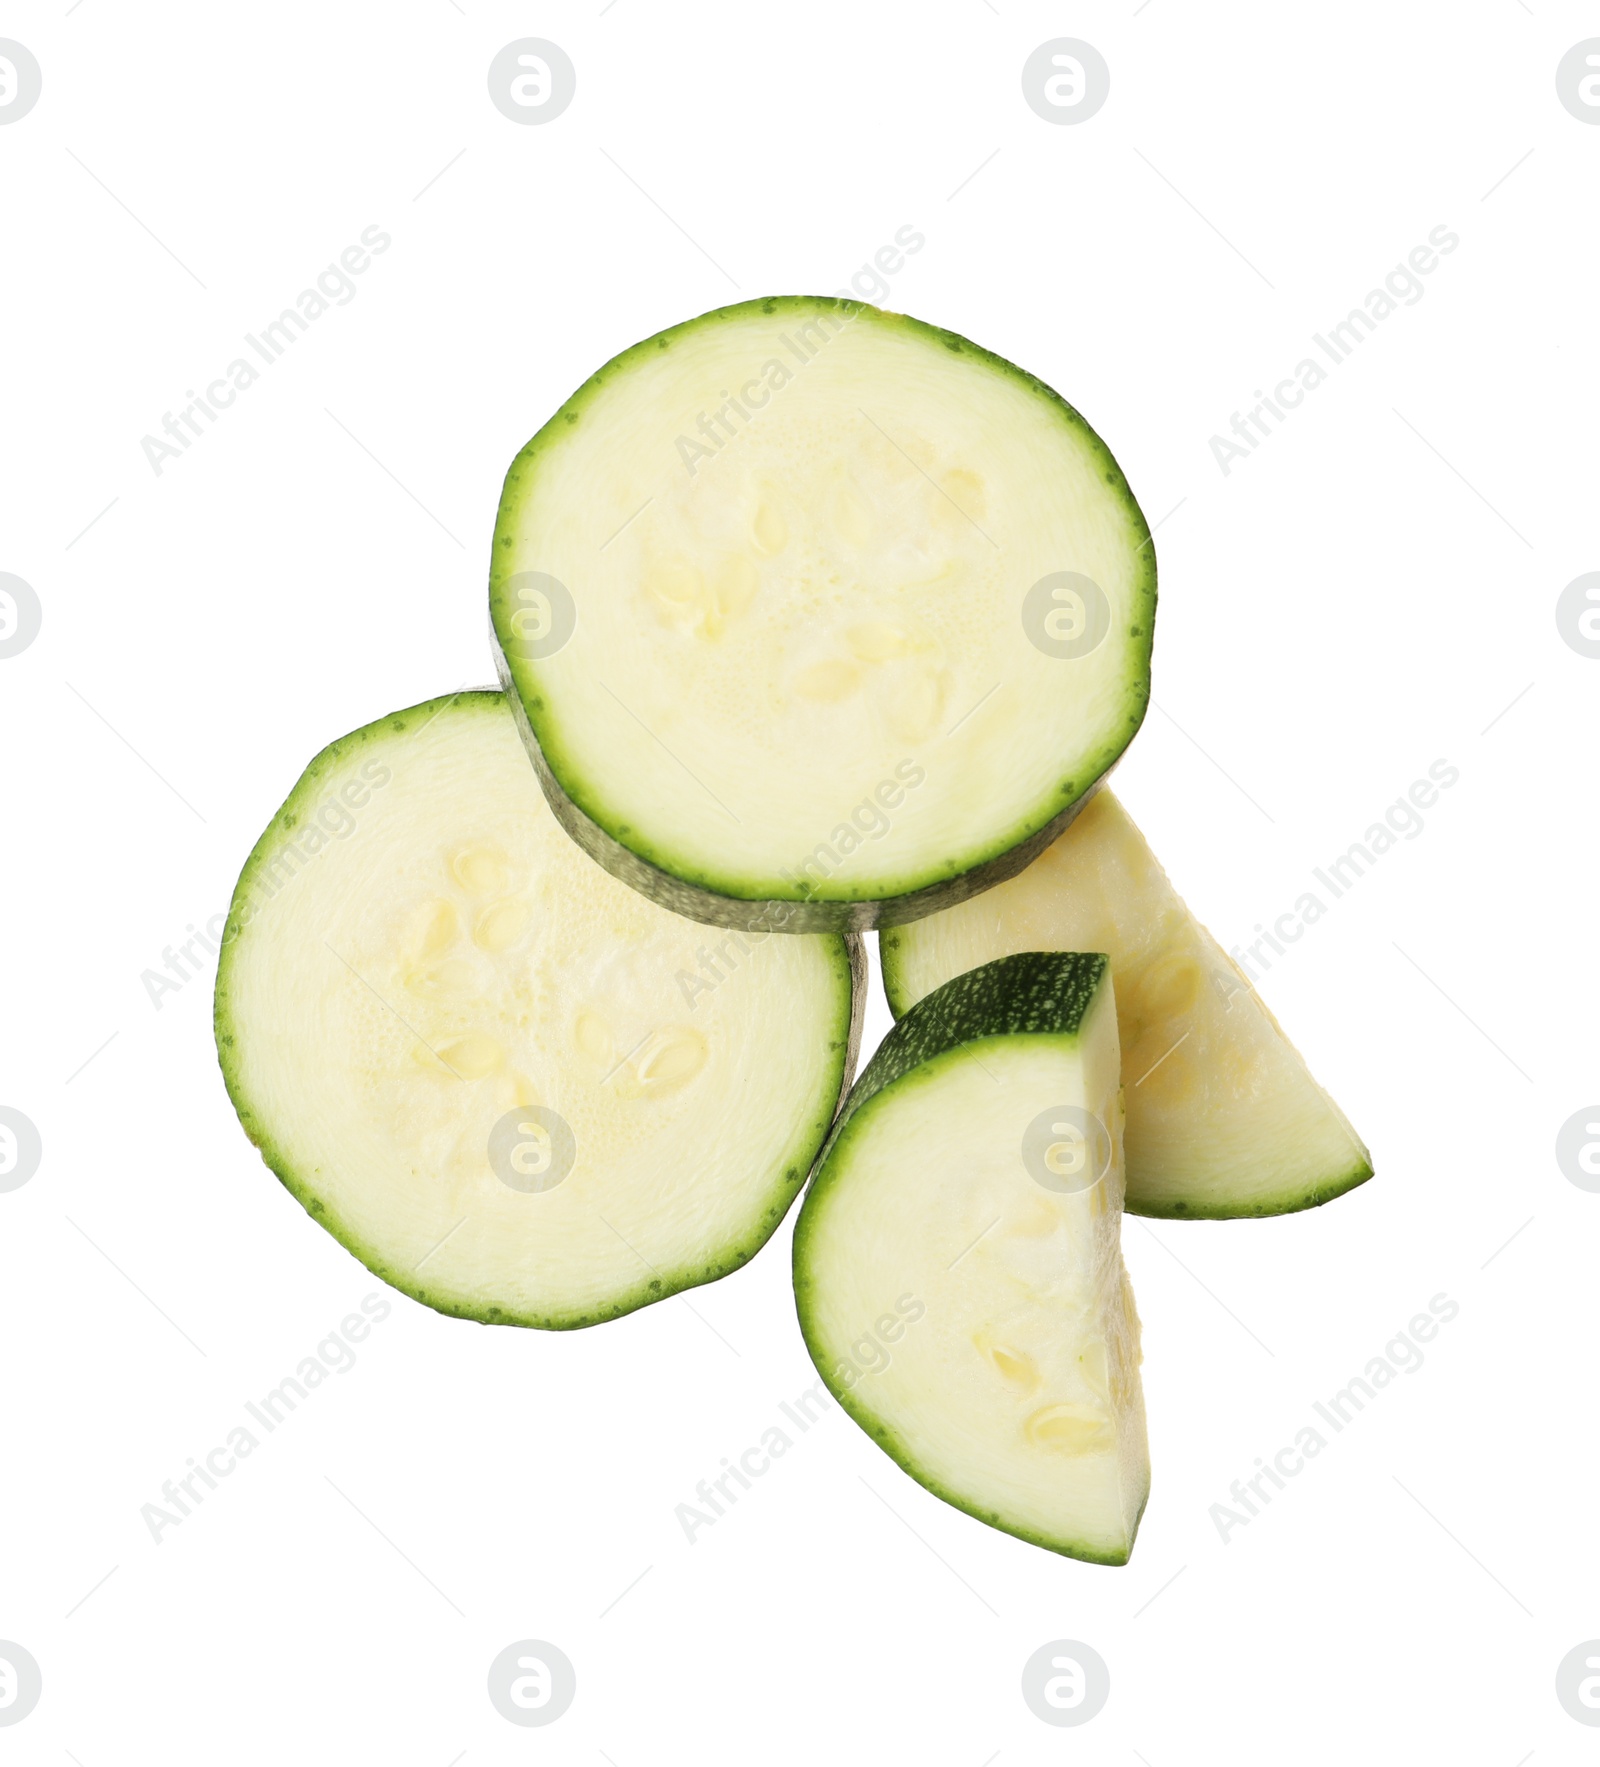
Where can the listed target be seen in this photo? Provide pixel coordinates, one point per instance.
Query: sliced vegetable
(958, 1271)
(513, 1087)
(1224, 1118)
(807, 604)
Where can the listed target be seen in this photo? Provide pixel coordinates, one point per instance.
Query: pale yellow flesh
(1016, 1393)
(815, 610)
(1222, 1113)
(456, 957)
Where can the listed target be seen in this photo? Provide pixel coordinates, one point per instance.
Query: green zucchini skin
(1285, 1203)
(1033, 993)
(748, 905)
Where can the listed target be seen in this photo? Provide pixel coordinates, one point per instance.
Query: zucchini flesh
(766, 593)
(476, 1058)
(1224, 1117)
(958, 1270)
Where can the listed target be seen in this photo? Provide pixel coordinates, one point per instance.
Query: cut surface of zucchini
(958, 1270)
(809, 606)
(1224, 1117)
(474, 1058)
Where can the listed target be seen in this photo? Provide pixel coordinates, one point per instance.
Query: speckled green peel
(1290, 1201)
(1034, 994)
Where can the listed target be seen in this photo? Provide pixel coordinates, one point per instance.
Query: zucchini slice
(479, 1061)
(957, 1264)
(1224, 1118)
(818, 617)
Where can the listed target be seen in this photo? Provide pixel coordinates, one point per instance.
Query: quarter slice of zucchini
(957, 1261)
(1224, 1118)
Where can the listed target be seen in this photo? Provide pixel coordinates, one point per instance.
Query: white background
(1367, 593)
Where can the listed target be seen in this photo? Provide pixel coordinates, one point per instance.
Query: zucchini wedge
(957, 1262)
(1224, 1118)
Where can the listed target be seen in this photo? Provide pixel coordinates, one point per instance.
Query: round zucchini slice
(507, 1083)
(817, 617)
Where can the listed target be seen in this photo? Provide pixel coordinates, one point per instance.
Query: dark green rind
(850, 963)
(1287, 1202)
(750, 905)
(1030, 994)
(1264, 1209)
